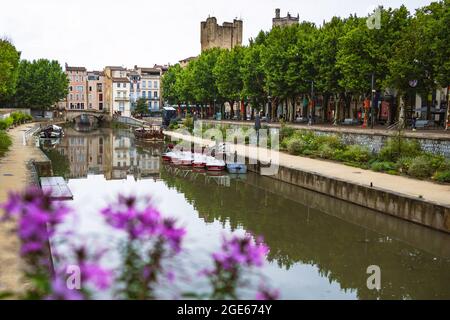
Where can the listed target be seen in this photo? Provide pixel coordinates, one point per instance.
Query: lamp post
(269, 109)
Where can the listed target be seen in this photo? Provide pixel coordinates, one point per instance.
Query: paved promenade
(14, 175)
(429, 191)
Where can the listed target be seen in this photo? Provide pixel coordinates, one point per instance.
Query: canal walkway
(15, 174)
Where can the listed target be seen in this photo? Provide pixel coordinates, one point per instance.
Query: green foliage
(383, 166)
(421, 167)
(398, 147)
(6, 123)
(442, 176)
(141, 107)
(9, 62)
(41, 84)
(354, 154)
(5, 142)
(189, 123)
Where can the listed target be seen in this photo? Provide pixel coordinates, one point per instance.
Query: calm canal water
(320, 247)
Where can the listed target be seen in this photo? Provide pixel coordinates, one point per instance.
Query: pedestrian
(414, 120)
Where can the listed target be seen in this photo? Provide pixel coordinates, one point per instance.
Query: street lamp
(269, 109)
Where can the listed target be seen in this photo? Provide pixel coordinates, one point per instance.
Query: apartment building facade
(147, 86)
(95, 90)
(76, 97)
(117, 91)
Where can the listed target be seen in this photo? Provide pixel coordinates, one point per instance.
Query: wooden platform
(58, 188)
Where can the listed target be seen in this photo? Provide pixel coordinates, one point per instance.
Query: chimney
(277, 13)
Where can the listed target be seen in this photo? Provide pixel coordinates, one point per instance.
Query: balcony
(121, 98)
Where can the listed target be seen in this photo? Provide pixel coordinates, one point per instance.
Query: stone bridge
(76, 115)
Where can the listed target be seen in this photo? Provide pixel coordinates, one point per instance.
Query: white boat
(186, 159)
(199, 160)
(213, 164)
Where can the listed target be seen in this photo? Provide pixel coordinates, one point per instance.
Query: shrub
(353, 154)
(326, 151)
(189, 123)
(442, 176)
(5, 142)
(285, 131)
(398, 147)
(421, 167)
(403, 164)
(383, 166)
(295, 145)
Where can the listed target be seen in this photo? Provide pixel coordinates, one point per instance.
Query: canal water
(320, 247)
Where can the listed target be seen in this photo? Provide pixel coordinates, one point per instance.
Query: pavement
(439, 134)
(15, 174)
(426, 190)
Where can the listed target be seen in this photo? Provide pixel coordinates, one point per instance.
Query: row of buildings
(115, 89)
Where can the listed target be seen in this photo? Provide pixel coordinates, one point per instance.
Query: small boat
(236, 168)
(152, 133)
(167, 157)
(199, 161)
(176, 158)
(186, 159)
(213, 164)
(51, 132)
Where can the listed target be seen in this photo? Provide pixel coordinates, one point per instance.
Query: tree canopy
(9, 71)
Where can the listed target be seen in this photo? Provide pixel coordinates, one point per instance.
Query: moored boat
(236, 168)
(152, 133)
(213, 164)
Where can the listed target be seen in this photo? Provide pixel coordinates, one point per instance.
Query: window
(156, 105)
(90, 88)
(100, 97)
(144, 85)
(124, 85)
(150, 105)
(90, 97)
(99, 87)
(77, 97)
(121, 106)
(70, 88)
(155, 84)
(155, 94)
(80, 88)
(118, 85)
(100, 106)
(71, 96)
(143, 94)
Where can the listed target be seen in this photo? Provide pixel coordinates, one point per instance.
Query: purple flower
(37, 217)
(267, 294)
(143, 224)
(172, 234)
(239, 251)
(97, 275)
(60, 291)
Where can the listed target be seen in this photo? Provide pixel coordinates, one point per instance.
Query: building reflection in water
(114, 155)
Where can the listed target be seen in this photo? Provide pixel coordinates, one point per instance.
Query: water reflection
(320, 246)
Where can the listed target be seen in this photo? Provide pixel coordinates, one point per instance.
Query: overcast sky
(95, 33)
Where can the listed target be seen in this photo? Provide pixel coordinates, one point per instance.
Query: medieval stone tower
(226, 36)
